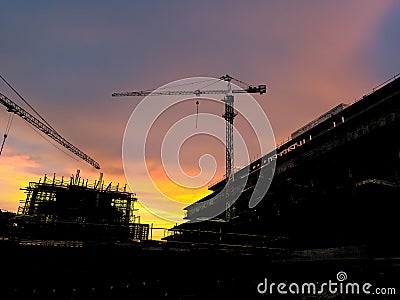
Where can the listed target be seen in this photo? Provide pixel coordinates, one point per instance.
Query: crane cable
(10, 119)
(8, 127)
(197, 111)
(26, 102)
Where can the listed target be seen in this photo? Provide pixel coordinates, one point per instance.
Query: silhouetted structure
(76, 210)
(336, 184)
(5, 217)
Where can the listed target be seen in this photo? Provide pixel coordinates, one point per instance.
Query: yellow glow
(14, 175)
(16, 171)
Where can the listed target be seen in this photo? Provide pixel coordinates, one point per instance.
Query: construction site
(326, 183)
(74, 210)
(331, 207)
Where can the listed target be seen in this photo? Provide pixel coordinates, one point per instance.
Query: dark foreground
(154, 270)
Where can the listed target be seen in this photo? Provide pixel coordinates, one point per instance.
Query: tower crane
(229, 114)
(50, 132)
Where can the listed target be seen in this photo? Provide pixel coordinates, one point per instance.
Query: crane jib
(251, 89)
(16, 109)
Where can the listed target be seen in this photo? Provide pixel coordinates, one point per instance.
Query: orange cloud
(15, 171)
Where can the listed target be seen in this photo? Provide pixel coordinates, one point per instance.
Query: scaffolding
(77, 209)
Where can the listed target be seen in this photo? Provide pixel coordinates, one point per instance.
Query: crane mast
(50, 132)
(229, 115)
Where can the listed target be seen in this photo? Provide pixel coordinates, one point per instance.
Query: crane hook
(197, 111)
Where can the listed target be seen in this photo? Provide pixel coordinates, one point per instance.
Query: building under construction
(73, 209)
(336, 183)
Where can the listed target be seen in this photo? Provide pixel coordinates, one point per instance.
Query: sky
(66, 58)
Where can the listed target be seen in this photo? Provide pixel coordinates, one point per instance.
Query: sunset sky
(67, 58)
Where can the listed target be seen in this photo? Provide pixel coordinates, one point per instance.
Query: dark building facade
(336, 183)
